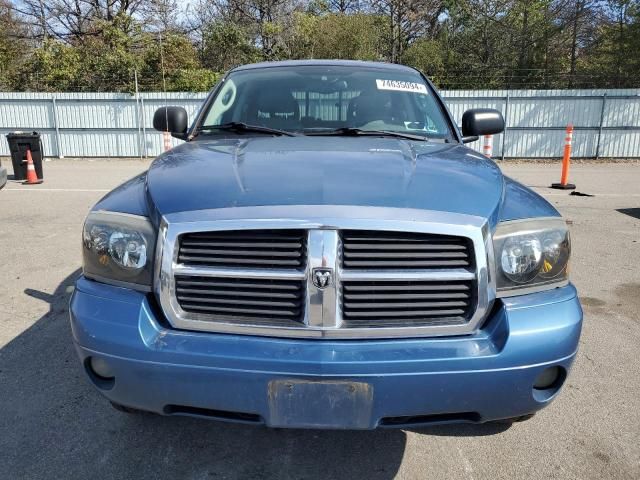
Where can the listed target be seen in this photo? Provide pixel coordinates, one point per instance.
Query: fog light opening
(548, 383)
(101, 368)
(100, 372)
(548, 378)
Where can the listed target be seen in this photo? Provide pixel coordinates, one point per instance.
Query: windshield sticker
(401, 86)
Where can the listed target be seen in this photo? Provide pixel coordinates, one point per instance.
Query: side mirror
(481, 121)
(173, 120)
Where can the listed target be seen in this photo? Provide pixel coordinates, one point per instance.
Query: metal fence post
(506, 122)
(135, 76)
(602, 110)
(56, 126)
(144, 128)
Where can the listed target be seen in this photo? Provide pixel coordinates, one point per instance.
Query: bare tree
(264, 19)
(71, 20)
(162, 15)
(408, 20)
(344, 6)
(583, 18)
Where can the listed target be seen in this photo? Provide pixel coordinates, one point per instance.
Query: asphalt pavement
(53, 424)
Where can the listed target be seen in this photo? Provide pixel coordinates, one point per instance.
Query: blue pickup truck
(324, 251)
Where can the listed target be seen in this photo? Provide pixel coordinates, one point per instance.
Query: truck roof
(348, 63)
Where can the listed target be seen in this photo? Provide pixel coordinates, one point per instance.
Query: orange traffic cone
(487, 148)
(32, 176)
(566, 162)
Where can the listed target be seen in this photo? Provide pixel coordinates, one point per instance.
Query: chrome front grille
(321, 274)
(404, 250)
(272, 302)
(244, 249)
(418, 303)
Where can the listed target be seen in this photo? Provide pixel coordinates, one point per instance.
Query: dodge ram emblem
(322, 277)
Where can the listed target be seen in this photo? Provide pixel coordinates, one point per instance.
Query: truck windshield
(341, 100)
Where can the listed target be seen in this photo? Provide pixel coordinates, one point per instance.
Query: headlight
(531, 255)
(118, 248)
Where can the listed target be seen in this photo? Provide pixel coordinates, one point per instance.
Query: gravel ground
(54, 425)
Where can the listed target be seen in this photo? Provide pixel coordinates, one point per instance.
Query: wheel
(509, 421)
(123, 409)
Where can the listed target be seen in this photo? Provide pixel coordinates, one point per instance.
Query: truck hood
(360, 171)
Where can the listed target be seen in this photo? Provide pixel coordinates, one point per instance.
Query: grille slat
(400, 246)
(239, 253)
(378, 264)
(227, 236)
(404, 250)
(403, 305)
(217, 261)
(244, 249)
(238, 293)
(427, 286)
(405, 254)
(262, 312)
(393, 237)
(256, 244)
(412, 313)
(404, 296)
(236, 284)
(230, 301)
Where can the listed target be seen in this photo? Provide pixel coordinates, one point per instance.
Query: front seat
(277, 110)
(369, 106)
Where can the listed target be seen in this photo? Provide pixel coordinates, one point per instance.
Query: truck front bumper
(359, 384)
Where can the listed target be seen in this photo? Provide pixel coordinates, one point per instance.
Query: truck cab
(325, 251)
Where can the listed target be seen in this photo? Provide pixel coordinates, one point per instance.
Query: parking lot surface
(53, 424)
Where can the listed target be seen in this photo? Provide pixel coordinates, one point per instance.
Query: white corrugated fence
(606, 122)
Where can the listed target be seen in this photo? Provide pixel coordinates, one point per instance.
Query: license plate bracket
(320, 404)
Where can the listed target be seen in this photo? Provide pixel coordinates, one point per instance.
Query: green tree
(503, 43)
(427, 56)
(358, 36)
(52, 67)
(110, 57)
(613, 54)
(98, 45)
(167, 59)
(12, 46)
(225, 45)
(193, 80)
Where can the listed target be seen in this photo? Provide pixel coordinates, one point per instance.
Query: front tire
(123, 409)
(509, 421)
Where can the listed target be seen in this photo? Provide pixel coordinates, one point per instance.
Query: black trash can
(19, 143)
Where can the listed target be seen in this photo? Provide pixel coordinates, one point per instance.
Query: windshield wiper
(352, 131)
(244, 127)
